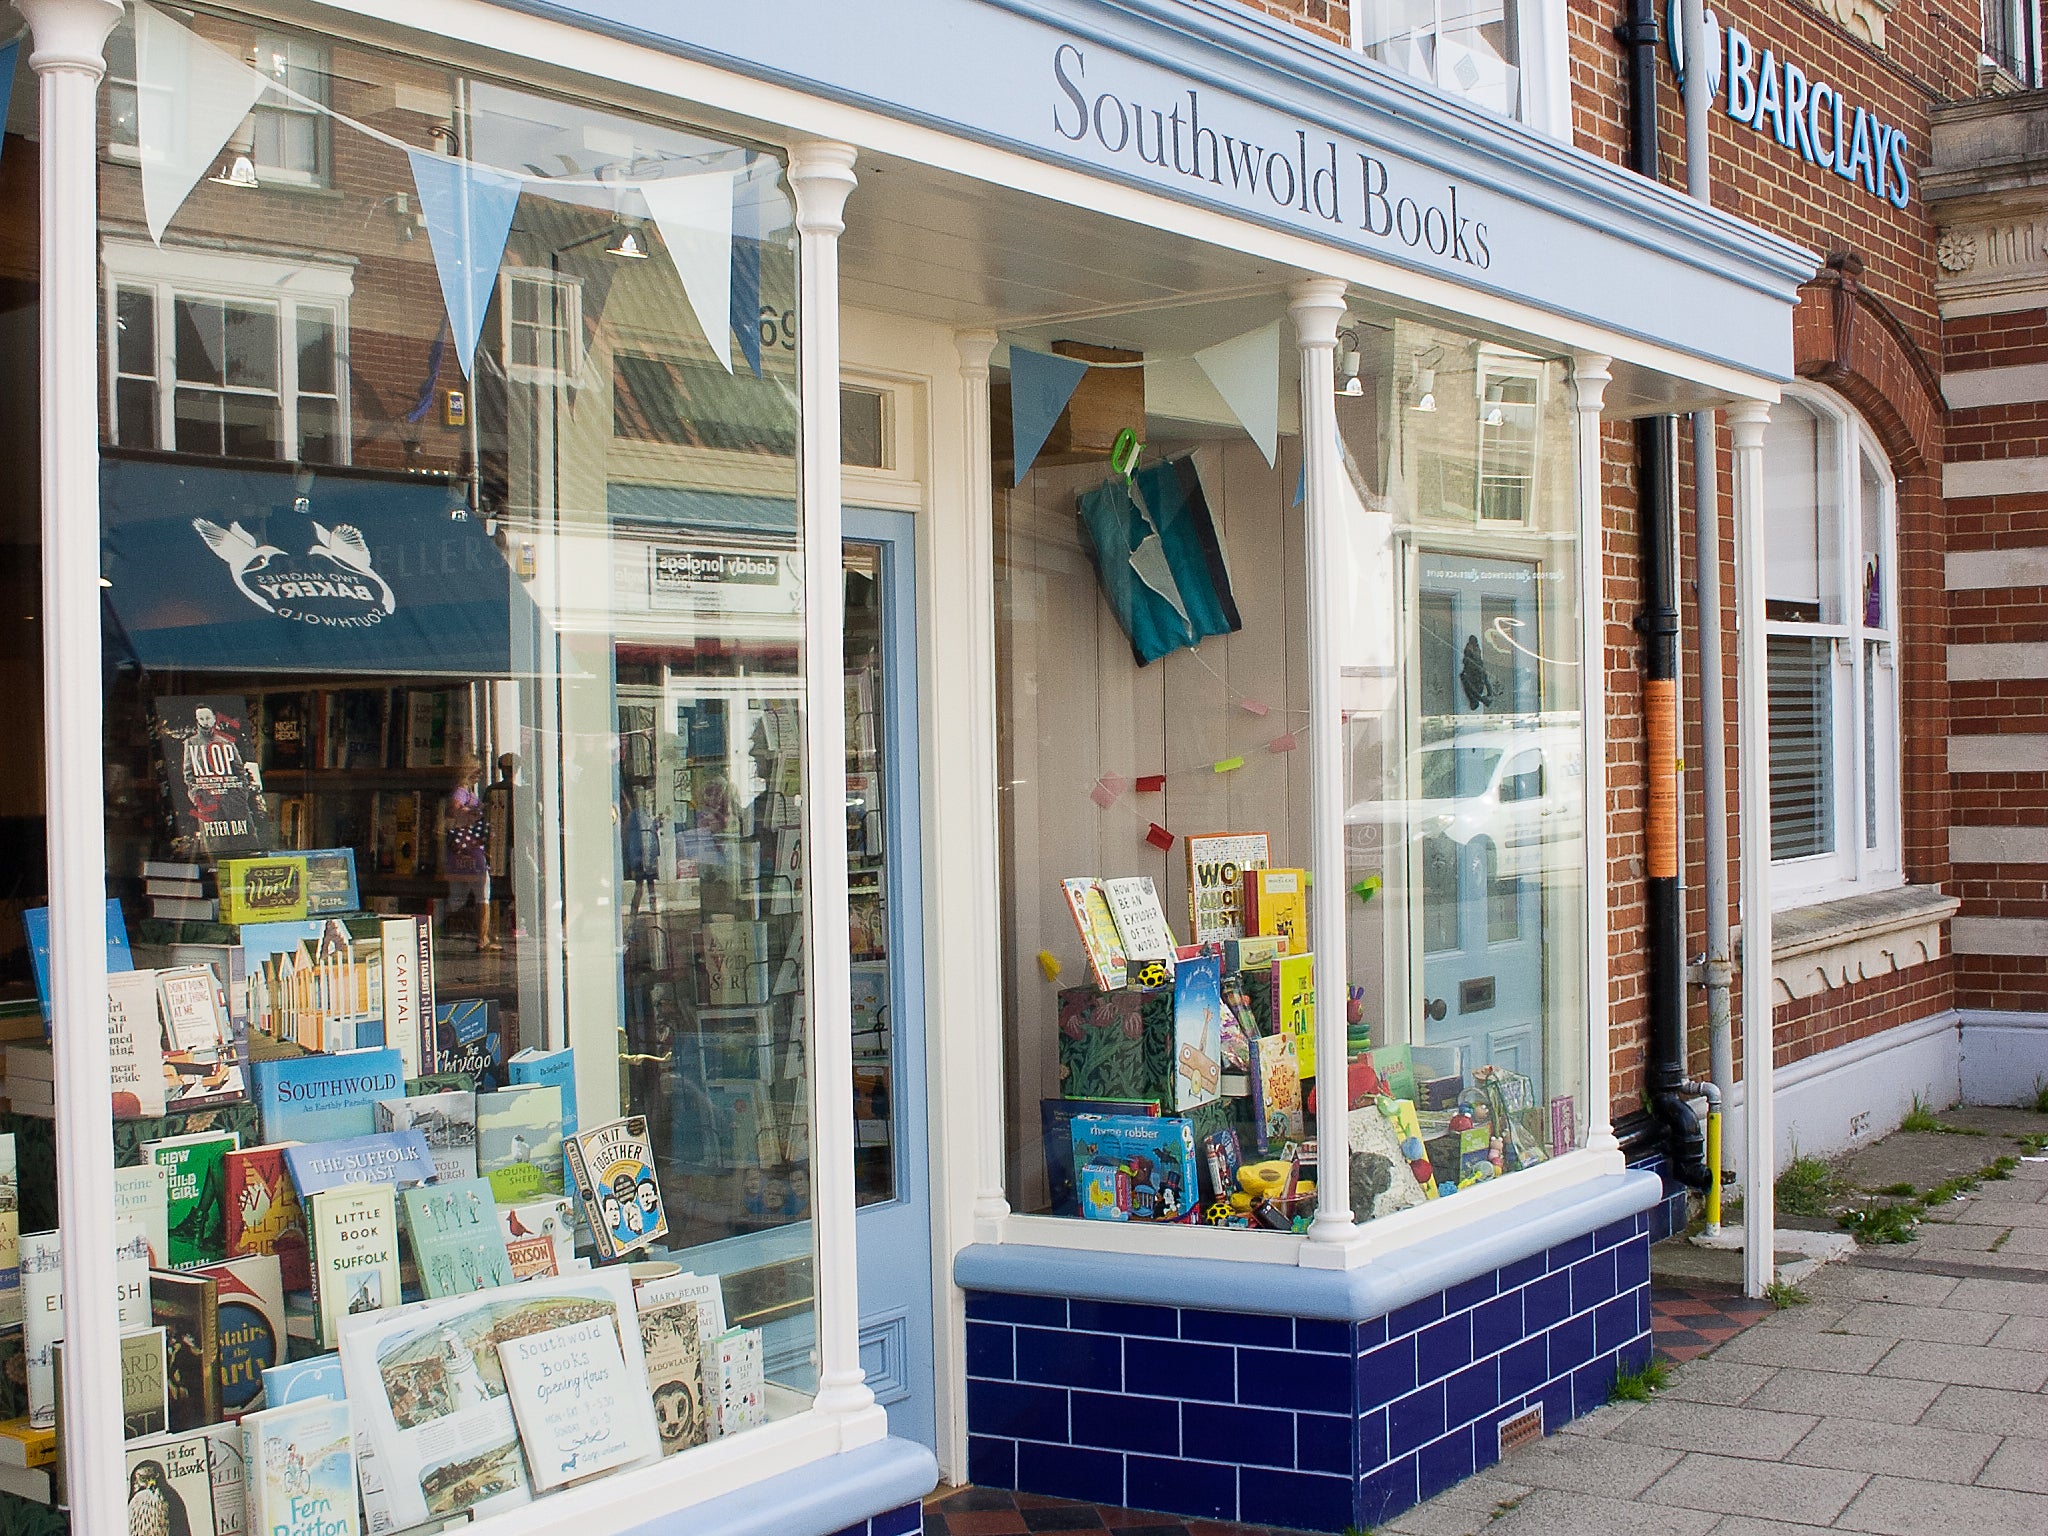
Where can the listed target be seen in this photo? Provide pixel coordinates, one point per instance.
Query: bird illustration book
(456, 1244)
(300, 1466)
(519, 1142)
(207, 758)
(170, 1485)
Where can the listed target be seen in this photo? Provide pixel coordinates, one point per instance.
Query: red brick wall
(1327, 19)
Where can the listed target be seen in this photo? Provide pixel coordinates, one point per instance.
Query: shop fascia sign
(1774, 96)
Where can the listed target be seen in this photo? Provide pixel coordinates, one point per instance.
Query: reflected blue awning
(689, 507)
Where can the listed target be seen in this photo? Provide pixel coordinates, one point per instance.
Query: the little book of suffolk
(301, 1470)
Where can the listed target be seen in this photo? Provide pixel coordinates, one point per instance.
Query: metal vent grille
(1524, 1428)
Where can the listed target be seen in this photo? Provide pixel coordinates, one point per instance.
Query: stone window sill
(1857, 938)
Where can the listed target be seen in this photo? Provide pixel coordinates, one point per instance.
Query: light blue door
(892, 1186)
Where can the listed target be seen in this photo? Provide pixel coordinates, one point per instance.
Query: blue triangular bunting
(7, 57)
(746, 276)
(1041, 384)
(468, 209)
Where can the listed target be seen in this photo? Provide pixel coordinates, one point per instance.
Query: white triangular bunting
(1246, 373)
(189, 99)
(694, 215)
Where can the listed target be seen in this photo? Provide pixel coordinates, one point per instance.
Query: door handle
(1435, 1008)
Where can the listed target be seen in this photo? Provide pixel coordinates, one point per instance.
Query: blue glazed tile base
(1669, 1215)
(907, 1521)
(1299, 1422)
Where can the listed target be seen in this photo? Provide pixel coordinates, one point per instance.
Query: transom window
(1503, 55)
(285, 135)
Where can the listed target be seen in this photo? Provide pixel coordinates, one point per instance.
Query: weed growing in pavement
(2041, 1095)
(1998, 1242)
(1881, 1223)
(2033, 1146)
(1899, 1191)
(1921, 1118)
(1640, 1386)
(1781, 1294)
(1807, 1187)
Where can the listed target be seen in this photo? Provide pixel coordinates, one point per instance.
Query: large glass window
(1468, 48)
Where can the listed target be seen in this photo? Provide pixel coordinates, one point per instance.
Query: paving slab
(1935, 1455)
(2016, 1297)
(1751, 1432)
(1938, 1325)
(1750, 1525)
(1990, 1409)
(2019, 1463)
(1849, 1353)
(1551, 1512)
(1578, 1464)
(2023, 1333)
(1904, 1287)
(1901, 1506)
(2017, 1370)
(1714, 1380)
(1734, 1485)
(1874, 1399)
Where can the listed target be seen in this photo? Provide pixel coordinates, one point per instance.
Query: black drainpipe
(1657, 519)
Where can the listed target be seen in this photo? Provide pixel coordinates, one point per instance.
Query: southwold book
(249, 1299)
(675, 1374)
(145, 1399)
(613, 1165)
(300, 1466)
(1099, 940)
(135, 1044)
(579, 1411)
(195, 1194)
(447, 1120)
(271, 889)
(1217, 865)
(185, 1306)
(456, 1244)
(170, 1485)
(325, 1098)
(355, 1252)
(397, 1158)
(205, 752)
(265, 1214)
(519, 1142)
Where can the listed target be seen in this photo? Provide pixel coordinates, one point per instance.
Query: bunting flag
(189, 99)
(1246, 373)
(7, 59)
(1041, 384)
(694, 215)
(468, 211)
(746, 279)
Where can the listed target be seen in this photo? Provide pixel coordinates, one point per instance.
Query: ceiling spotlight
(241, 172)
(627, 246)
(1493, 415)
(1352, 386)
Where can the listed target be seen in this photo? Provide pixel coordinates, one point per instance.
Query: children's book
(300, 1466)
(195, 1194)
(170, 1485)
(42, 1301)
(35, 923)
(1107, 962)
(456, 1244)
(249, 1305)
(1294, 1007)
(397, 1158)
(270, 889)
(325, 1098)
(579, 1411)
(553, 1218)
(519, 1142)
(669, 1341)
(1056, 1122)
(1279, 905)
(303, 1381)
(1135, 1168)
(1140, 925)
(1276, 1093)
(355, 1252)
(1197, 1032)
(556, 1067)
(186, 1306)
(613, 1165)
(447, 1120)
(1218, 863)
(742, 1397)
(135, 1044)
(201, 1063)
(265, 1213)
(145, 1397)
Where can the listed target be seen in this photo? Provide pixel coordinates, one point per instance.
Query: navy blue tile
(1415, 1420)
(1643, 1310)
(1238, 1328)
(1322, 1442)
(1635, 1354)
(1372, 1441)
(1592, 1282)
(1070, 1359)
(1557, 1404)
(1122, 1317)
(1119, 1423)
(906, 1521)
(1386, 1373)
(1571, 1345)
(1632, 1266)
(991, 1351)
(1202, 1490)
(1063, 1472)
(1570, 1251)
(1486, 1440)
(1250, 1436)
(1016, 1412)
(853, 1530)
(1372, 1333)
(996, 1307)
(1305, 1500)
(1468, 1294)
(1473, 1393)
(1277, 1379)
(1522, 1271)
(1415, 1315)
(1524, 1368)
(1443, 1348)
(1546, 1302)
(1615, 1233)
(1443, 1463)
(1165, 1368)
(1615, 1324)
(1386, 1493)
(1321, 1336)
(1496, 1325)
(1591, 1385)
(991, 1463)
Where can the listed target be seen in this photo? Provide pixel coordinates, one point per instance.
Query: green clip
(1367, 888)
(1123, 453)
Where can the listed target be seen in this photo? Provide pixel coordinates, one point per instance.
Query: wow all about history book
(1218, 863)
(614, 1169)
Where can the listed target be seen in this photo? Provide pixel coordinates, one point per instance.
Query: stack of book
(180, 892)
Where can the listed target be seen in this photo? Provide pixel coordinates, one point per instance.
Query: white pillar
(1590, 377)
(1746, 420)
(1317, 305)
(821, 175)
(67, 59)
(991, 1205)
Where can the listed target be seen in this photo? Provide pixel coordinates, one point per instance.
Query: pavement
(1905, 1397)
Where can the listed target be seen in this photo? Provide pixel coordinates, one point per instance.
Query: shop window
(286, 134)
(2012, 41)
(1830, 645)
(543, 326)
(1495, 54)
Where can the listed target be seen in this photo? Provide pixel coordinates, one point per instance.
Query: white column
(1590, 376)
(821, 174)
(991, 1205)
(1746, 420)
(67, 59)
(1317, 305)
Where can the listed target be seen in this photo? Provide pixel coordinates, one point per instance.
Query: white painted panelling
(1971, 570)
(2005, 1056)
(1999, 936)
(1995, 386)
(1995, 477)
(1995, 663)
(1998, 845)
(1998, 754)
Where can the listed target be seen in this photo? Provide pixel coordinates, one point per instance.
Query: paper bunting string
(694, 215)
(468, 211)
(1246, 373)
(7, 58)
(1285, 743)
(1041, 384)
(1151, 783)
(1227, 765)
(1253, 707)
(1159, 837)
(189, 99)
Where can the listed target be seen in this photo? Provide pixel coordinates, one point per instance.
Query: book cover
(145, 1395)
(1294, 1007)
(1279, 905)
(467, 1039)
(185, 1305)
(1222, 1155)
(300, 1466)
(325, 1098)
(224, 1460)
(284, 732)
(23, 1445)
(1146, 1166)
(249, 1308)
(131, 1274)
(1217, 865)
(1056, 1130)
(1197, 1032)
(10, 1235)
(201, 1065)
(355, 1252)
(42, 1304)
(1276, 1092)
(405, 1017)
(742, 1399)
(556, 1067)
(553, 1218)
(170, 1485)
(135, 1044)
(448, 1122)
(1141, 926)
(734, 956)
(195, 1194)
(579, 1411)
(530, 1256)
(265, 1214)
(212, 782)
(519, 1142)
(35, 923)
(397, 1158)
(1097, 926)
(271, 889)
(704, 1292)
(303, 1381)
(331, 882)
(614, 1169)
(457, 1246)
(670, 1343)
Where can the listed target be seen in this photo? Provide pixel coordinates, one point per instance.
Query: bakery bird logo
(334, 584)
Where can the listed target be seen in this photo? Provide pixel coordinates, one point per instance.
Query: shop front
(498, 461)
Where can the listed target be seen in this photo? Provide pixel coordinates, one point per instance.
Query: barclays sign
(1771, 95)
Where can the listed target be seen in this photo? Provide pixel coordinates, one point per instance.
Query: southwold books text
(613, 1165)
(195, 1194)
(213, 785)
(579, 1410)
(355, 1252)
(265, 1214)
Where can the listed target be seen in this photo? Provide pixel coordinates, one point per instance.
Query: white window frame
(1855, 865)
(284, 286)
(269, 104)
(2023, 17)
(563, 294)
(1544, 99)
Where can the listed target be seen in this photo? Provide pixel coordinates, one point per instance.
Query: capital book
(397, 1158)
(456, 1244)
(613, 1165)
(265, 1213)
(355, 1253)
(195, 1194)
(325, 1098)
(300, 1466)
